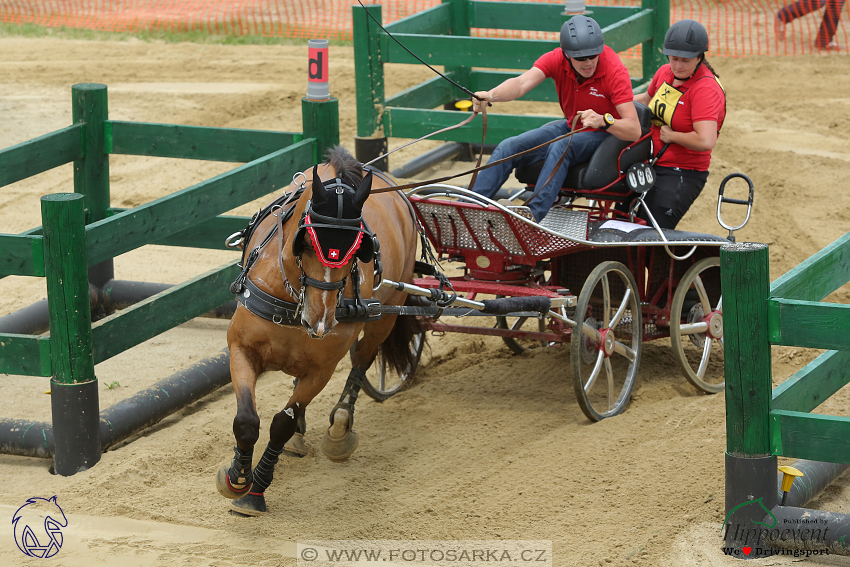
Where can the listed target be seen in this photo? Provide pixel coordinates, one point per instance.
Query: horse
(292, 283)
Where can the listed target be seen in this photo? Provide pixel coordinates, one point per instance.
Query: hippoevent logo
(38, 527)
(756, 537)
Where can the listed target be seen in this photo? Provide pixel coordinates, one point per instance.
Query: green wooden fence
(85, 231)
(441, 36)
(765, 421)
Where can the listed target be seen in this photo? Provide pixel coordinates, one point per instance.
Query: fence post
(320, 120)
(370, 141)
(653, 59)
(91, 173)
(460, 27)
(750, 468)
(74, 395)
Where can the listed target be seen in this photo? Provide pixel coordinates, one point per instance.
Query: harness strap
(268, 306)
(282, 312)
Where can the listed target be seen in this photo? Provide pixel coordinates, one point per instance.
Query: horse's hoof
(296, 446)
(339, 442)
(251, 504)
(222, 483)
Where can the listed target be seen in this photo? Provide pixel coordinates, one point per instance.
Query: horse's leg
(284, 425)
(235, 481)
(340, 440)
(297, 445)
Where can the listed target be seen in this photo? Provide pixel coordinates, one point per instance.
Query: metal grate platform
(568, 223)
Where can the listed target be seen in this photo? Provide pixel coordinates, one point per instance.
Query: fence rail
(81, 233)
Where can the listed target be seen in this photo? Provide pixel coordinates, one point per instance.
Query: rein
(478, 168)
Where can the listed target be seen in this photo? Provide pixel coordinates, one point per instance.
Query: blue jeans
(583, 145)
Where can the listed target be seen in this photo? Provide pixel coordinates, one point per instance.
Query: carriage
(612, 280)
(328, 274)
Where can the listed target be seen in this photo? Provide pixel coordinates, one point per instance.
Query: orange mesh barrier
(736, 27)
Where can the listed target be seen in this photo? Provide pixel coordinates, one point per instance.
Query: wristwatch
(609, 121)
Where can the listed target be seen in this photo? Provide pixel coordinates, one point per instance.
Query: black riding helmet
(581, 37)
(686, 38)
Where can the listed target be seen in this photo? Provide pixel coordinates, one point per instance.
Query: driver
(592, 83)
(688, 108)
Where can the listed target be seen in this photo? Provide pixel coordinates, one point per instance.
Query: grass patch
(193, 36)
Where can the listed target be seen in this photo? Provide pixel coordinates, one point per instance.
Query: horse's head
(331, 237)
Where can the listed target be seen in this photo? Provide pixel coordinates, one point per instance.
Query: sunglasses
(591, 57)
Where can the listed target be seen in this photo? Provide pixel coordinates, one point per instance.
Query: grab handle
(723, 199)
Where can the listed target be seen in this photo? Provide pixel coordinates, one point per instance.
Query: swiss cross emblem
(334, 254)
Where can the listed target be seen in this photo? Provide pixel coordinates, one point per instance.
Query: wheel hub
(715, 325)
(608, 342)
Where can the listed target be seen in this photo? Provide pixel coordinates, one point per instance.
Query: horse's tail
(396, 351)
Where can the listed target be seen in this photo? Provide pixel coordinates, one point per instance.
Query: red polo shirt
(609, 86)
(698, 99)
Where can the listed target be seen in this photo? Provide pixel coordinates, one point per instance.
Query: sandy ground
(486, 445)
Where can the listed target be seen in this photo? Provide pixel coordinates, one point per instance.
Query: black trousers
(674, 192)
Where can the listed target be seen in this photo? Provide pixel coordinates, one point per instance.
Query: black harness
(283, 312)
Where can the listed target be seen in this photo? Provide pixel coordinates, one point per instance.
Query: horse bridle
(317, 220)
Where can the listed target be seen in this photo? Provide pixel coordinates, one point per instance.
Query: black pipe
(163, 398)
(749, 495)
(816, 477)
(30, 320)
(120, 294)
(120, 421)
(429, 159)
(366, 149)
(35, 319)
(116, 294)
(26, 438)
(471, 151)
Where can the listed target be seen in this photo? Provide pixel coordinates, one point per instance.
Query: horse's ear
(320, 195)
(363, 191)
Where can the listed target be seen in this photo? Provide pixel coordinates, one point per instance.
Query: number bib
(664, 104)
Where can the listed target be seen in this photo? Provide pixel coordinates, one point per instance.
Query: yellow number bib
(665, 102)
(663, 105)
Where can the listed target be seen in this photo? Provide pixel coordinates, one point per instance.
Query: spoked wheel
(382, 382)
(519, 346)
(605, 346)
(696, 326)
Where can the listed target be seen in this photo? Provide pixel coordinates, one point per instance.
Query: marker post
(319, 110)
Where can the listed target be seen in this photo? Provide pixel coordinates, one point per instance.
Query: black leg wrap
(264, 473)
(241, 467)
(349, 395)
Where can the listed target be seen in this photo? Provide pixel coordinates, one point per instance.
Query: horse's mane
(344, 164)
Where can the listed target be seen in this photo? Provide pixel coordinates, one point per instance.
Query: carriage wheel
(381, 381)
(696, 327)
(605, 346)
(519, 346)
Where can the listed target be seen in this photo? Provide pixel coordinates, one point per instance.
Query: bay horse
(294, 279)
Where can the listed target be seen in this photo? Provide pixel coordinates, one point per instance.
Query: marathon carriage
(327, 276)
(591, 274)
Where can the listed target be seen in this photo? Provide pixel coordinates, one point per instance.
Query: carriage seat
(620, 231)
(602, 168)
